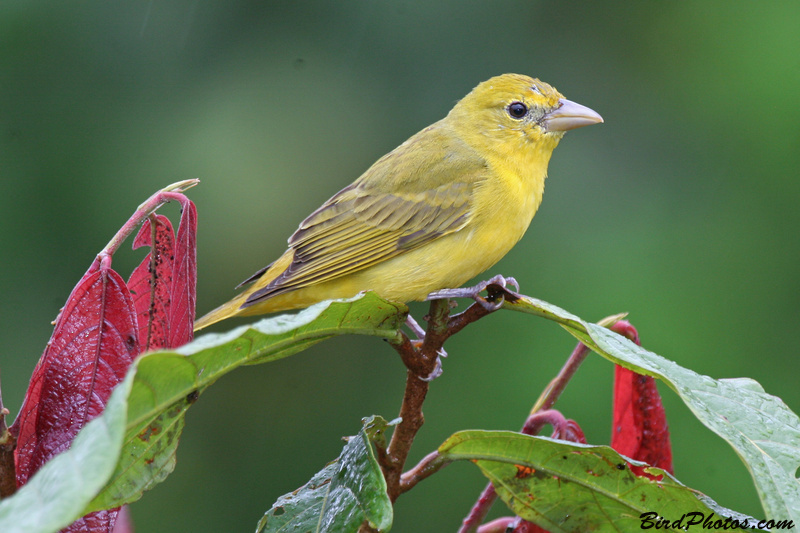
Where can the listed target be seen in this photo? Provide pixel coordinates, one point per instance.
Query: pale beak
(568, 116)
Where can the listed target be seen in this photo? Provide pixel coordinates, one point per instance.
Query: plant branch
(429, 465)
(167, 194)
(8, 442)
(559, 383)
(403, 435)
(422, 362)
(557, 386)
(474, 312)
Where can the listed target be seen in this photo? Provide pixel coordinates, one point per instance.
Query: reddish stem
(429, 465)
(557, 386)
(8, 442)
(165, 195)
(499, 525)
(421, 359)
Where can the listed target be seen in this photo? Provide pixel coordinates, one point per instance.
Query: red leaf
(640, 424)
(97, 522)
(96, 338)
(184, 284)
(528, 527)
(93, 344)
(164, 283)
(151, 280)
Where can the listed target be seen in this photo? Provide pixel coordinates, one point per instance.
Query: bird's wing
(361, 226)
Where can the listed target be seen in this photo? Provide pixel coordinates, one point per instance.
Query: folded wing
(360, 227)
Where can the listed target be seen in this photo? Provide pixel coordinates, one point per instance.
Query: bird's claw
(492, 303)
(474, 292)
(415, 328)
(437, 371)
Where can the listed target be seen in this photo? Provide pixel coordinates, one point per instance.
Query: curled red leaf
(164, 283)
(640, 428)
(97, 336)
(150, 282)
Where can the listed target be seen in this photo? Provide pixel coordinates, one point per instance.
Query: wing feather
(369, 221)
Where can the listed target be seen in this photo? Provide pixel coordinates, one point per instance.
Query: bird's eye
(517, 109)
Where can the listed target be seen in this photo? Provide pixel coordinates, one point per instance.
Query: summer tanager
(439, 209)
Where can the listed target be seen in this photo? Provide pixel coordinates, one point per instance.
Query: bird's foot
(415, 328)
(437, 371)
(419, 333)
(474, 292)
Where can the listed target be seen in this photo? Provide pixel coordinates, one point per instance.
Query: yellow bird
(439, 209)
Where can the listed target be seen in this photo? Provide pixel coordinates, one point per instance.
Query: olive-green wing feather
(413, 195)
(356, 229)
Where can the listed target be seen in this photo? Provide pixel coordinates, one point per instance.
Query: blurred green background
(681, 209)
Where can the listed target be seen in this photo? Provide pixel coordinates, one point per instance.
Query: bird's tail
(226, 310)
(261, 279)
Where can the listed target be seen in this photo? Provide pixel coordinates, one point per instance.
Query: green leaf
(564, 487)
(342, 495)
(167, 383)
(58, 493)
(761, 428)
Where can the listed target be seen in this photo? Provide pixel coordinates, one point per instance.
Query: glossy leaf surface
(58, 493)
(167, 383)
(760, 427)
(339, 497)
(570, 487)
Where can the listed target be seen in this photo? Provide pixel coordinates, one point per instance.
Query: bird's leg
(474, 292)
(415, 328)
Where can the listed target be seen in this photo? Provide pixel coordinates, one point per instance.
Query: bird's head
(509, 111)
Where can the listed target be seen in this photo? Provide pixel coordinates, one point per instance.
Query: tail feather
(234, 307)
(226, 310)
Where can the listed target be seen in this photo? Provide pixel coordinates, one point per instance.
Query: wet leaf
(167, 383)
(339, 497)
(571, 487)
(58, 493)
(760, 427)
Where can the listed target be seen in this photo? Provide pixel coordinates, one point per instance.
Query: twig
(429, 465)
(406, 430)
(421, 359)
(472, 522)
(437, 332)
(8, 441)
(557, 386)
(168, 193)
(474, 312)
